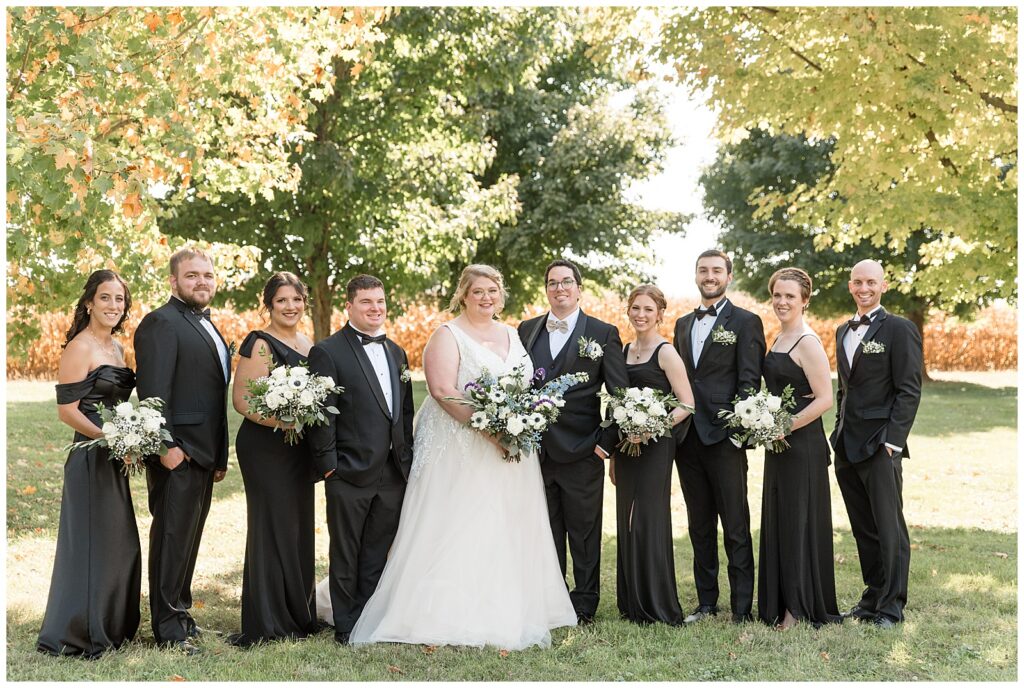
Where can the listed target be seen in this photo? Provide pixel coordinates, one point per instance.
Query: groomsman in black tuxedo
(567, 340)
(365, 452)
(723, 349)
(182, 358)
(880, 360)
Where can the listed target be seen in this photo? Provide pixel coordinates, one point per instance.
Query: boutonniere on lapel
(590, 349)
(232, 349)
(404, 375)
(720, 335)
(873, 347)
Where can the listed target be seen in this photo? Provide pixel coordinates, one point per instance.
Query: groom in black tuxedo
(573, 449)
(880, 360)
(723, 349)
(182, 358)
(365, 452)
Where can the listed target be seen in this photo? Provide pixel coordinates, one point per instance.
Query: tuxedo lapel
(572, 349)
(193, 320)
(535, 332)
(872, 330)
(685, 339)
(364, 363)
(842, 363)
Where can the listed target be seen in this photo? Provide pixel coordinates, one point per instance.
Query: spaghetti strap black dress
(646, 572)
(278, 587)
(795, 568)
(93, 604)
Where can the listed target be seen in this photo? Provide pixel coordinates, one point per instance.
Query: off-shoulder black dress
(278, 585)
(93, 604)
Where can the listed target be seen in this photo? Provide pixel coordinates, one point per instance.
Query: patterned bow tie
(560, 325)
(857, 322)
(379, 339)
(205, 313)
(701, 313)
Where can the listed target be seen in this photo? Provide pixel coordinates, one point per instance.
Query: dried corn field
(987, 343)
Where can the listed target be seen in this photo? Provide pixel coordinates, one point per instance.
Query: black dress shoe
(859, 613)
(185, 646)
(584, 619)
(885, 622)
(742, 618)
(701, 612)
(342, 637)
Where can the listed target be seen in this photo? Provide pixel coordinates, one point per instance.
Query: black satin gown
(93, 604)
(278, 587)
(795, 569)
(646, 580)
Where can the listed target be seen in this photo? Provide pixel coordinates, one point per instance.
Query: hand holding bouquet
(763, 418)
(131, 432)
(292, 395)
(513, 412)
(642, 414)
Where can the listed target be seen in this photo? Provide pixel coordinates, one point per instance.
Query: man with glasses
(567, 340)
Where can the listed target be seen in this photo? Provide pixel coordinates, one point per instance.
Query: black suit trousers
(873, 492)
(362, 522)
(179, 501)
(714, 482)
(575, 495)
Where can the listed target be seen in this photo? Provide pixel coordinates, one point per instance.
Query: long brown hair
(81, 317)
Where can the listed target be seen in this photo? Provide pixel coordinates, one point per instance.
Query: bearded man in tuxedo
(723, 349)
(880, 359)
(182, 358)
(567, 340)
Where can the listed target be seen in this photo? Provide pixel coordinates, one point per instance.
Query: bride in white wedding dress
(473, 562)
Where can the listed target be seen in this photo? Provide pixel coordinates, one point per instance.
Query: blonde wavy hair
(470, 273)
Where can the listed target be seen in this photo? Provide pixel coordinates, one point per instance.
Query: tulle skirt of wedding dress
(474, 561)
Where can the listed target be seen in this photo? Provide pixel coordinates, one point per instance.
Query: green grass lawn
(960, 501)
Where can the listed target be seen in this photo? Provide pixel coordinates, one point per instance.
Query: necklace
(111, 351)
(294, 344)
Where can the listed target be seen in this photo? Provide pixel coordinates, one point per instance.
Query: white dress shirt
(701, 330)
(556, 339)
(379, 360)
(855, 336)
(852, 340)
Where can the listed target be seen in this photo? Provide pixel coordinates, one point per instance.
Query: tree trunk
(321, 297)
(917, 316)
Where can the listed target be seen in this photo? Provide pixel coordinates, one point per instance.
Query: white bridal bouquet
(292, 395)
(131, 432)
(512, 411)
(763, 418)
(641, 413)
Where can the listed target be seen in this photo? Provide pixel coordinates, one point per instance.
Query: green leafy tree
(577, 136)
(920, 106)
(762, 243)
(389, 182)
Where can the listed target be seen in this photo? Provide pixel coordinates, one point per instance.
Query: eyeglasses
(564, 284)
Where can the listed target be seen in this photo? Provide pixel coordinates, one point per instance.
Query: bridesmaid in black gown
(93, 604)
(796, 579)
(646, 574)
(278, 587)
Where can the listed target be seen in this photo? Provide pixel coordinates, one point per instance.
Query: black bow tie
(205, 313)
(365, 339)
(701, 313)
(857, 322)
